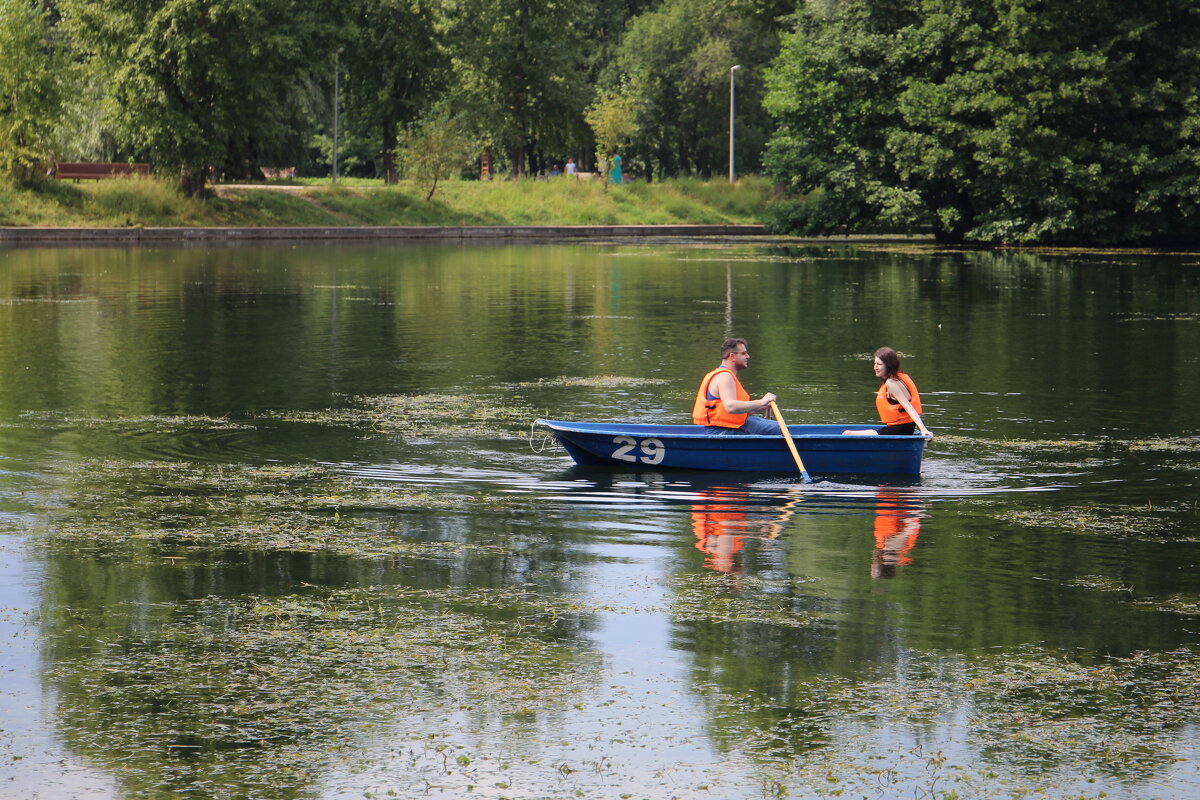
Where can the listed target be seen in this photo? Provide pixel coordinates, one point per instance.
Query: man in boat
(722, 405)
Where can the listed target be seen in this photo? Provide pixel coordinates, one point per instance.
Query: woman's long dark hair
(890, 360)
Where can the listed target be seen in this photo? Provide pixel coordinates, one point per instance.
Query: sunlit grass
(156, 202)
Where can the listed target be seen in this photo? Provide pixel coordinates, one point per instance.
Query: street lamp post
(336, 73)
(732, 70)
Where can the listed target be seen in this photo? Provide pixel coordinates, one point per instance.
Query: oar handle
(787, 437)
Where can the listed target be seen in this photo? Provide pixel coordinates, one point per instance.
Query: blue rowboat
(823, 448)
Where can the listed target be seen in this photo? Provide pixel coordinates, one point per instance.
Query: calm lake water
(276, 524)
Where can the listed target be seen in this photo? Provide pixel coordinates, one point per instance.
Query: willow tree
(208, 84)
(33, 68)
(1000, 120)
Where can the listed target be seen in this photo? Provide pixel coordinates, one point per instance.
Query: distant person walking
(615, 174)
(570, 166)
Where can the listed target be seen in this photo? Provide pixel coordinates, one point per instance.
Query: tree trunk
(390, 174)
(191, 181)
(518, 155)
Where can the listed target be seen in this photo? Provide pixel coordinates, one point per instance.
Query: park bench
(67, 170)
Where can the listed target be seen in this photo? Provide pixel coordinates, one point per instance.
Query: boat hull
(823, 448)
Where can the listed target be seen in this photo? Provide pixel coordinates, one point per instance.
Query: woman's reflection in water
(897, 525)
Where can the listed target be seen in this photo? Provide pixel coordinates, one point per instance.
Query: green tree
(436, 148)
(519, 67)
(33, 70)
(208, 84)
(613, 120)
(1004, 120)
(393, 68)
(675, 61)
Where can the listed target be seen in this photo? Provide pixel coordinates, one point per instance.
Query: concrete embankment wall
(33, 235)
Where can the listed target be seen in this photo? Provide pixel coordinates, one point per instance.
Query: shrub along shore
(355, 202)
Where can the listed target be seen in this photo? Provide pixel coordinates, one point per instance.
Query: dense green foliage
(997, 120)
(205, 84)
(675, 61)
(32, 72)
(218, 89)
(1003, 120)
(393, 70)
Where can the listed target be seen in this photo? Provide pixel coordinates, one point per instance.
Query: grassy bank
(152, 203)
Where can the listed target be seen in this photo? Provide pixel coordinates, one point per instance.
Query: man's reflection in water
(722, 520)
(897, 525)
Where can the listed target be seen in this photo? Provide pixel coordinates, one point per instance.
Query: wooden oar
(787, 437)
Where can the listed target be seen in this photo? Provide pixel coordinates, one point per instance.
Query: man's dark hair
(729, 345)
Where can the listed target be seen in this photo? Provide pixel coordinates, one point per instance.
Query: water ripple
(586, 487)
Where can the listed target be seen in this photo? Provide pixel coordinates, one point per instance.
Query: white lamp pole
(336, 71)
(732, 70)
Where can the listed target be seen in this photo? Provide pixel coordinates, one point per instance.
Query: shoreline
(137, 235)
(133, 235)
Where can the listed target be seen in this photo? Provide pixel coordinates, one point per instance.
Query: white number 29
(652, 450)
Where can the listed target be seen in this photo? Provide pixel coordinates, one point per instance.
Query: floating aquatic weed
(1051, 444)
(1173, 444)
(719, 598)
(425, 415)
(1186, 605)
(1038, 710)
(258, 696)
(151, 422)
(596, 382)
(1153, 522)
(166, 505)
(66, 301)
(1170, 444)
(1021, 719)
(294, 533)
(521, 598)
(1099, 583)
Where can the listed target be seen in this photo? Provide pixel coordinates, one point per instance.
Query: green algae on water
(421, 415)
(152, 422)
(260, 696)
(595, 382)
(714, 597)
(1163, 522)
(167, 505)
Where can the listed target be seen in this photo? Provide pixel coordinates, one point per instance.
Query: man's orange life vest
(892, 413)
(711, 411)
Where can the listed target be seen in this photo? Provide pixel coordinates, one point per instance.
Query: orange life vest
(891, 412)
(711, 411)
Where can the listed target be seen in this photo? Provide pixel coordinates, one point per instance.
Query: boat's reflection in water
(722, 521)
(726, 510)
(726, 514)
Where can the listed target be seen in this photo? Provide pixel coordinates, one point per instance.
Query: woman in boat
(898, 401)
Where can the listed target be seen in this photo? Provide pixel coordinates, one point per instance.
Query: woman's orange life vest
(711, 411)
(891, 412)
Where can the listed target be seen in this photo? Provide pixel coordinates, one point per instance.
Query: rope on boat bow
(548, 441)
